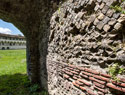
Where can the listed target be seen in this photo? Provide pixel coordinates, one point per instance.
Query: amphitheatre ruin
(70, 43)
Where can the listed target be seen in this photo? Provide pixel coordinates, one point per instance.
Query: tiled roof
(12, 36)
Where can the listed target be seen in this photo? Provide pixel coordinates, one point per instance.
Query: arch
(3, 48)
(8, 47)
(32, 18)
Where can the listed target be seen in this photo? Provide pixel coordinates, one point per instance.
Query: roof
(12, 36)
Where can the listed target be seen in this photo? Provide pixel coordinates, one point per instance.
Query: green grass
(12, 61)
(13, 78)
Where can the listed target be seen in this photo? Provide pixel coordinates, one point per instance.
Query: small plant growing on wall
(119, 8)
(116, 69)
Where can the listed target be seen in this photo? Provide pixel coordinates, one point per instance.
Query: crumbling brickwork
(88, 34)
(67, 79)
(85, 33)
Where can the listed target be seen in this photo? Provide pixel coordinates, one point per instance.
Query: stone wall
(80, 32)
(91, 36)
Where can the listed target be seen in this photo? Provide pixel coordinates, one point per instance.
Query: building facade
(12, 42)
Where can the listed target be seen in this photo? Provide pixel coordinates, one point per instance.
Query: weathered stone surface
(96, 21)
(100, 25)
(105, 9)
(106, 19)
(106, 28)
(118, 26)
(101, 16)
(112, 21)
(74, 34)
(109, 12)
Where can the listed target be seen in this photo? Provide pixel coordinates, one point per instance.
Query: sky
(8, 28)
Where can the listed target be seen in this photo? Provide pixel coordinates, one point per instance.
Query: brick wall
(78, 80)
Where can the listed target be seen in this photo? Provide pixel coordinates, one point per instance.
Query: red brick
(101, 78)
(98, 85)
(84, 76)
(102, 90)
(82, 88)
(89, 74)
(106, 75)
(79, 83)
(91, 92)
(99, 81)
(118, 83)
(74, 77)
(67, 70)
(72, 66)
(101, 93)
(85, 82)
(77, 70)
(65, 76)
(69, 73)
(122, 79)
(81, 68)
(75, 84)
(115, 87)
(91, 71)
(74, 72)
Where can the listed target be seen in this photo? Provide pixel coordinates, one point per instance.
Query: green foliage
(34, 88)
(114, 70)
(118, 8)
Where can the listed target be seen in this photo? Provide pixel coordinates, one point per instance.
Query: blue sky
(8, 28)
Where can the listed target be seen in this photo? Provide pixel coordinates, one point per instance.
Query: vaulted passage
(32, 20)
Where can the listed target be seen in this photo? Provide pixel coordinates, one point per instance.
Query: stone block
(105, 9)
(102, 5)
(101, 16)
(110, 12)
(99, 1)
(92, 18)
(106, 19)
(80, 15)
(112, 21)
(96, 7)
(109, 2)
(116, 15)
(121, 19)
(96, 21)
(106, 28)
(100, 25)
(118, 26)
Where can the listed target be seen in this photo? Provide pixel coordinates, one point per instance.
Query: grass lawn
(13, 78)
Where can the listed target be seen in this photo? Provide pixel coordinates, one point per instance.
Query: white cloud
(5, 30)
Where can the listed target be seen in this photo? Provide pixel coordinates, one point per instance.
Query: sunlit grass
(13, 77)
(12, 61)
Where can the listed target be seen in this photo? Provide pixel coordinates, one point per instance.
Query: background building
(12, 41)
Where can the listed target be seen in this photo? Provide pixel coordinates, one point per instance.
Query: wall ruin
(86, 37)
(69, 48)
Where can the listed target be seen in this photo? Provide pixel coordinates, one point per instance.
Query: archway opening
(13, 73)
